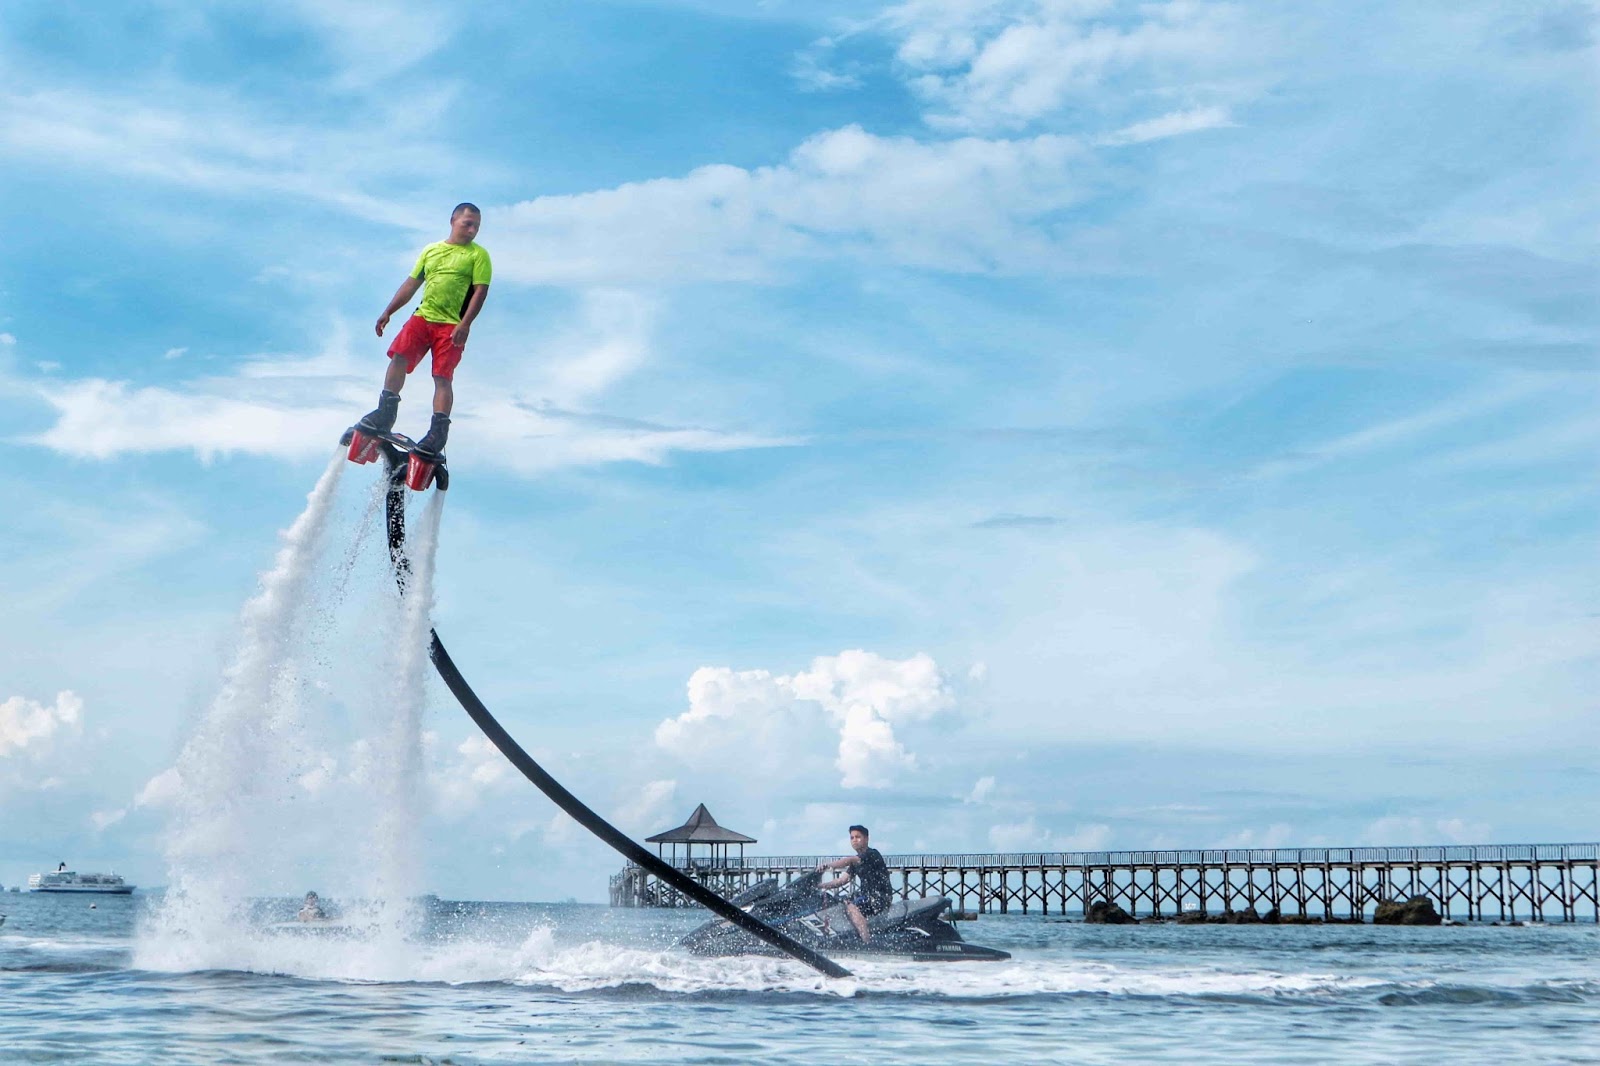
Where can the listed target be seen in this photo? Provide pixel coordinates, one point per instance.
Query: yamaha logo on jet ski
(907, 928)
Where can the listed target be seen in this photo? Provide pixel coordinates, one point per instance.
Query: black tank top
(873, 874)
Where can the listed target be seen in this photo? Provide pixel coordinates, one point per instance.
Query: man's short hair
(860, 829)
(465, 207)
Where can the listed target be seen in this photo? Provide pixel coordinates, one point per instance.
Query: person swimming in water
(311, 910)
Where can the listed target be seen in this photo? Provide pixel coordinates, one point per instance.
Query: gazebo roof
(701, 828)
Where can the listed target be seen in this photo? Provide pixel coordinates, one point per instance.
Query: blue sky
(1011, 423)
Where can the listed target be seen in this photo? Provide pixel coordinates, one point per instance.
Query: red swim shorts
(418, 336)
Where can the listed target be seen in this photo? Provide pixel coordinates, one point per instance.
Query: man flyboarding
(454, 276)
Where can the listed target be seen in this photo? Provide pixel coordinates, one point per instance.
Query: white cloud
(611, 341)
(1173, 124)
(646, 810)
(7, 339)
(161, 790)
(201, 142)
(1405, 432)
(812, 72)
(1276, 835)
(296, 406)
(103, 820)
(1399, 830)
(756, 715)
(1028, 836)
(174, 353)
(1004, 64)
(963, 205)
(26, 723)
(461, 780)
(980, 790)
(99, 419)
(374, 40)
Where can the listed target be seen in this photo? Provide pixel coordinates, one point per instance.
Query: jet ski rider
(867, 868)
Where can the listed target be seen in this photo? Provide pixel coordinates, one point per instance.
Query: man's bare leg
(394, 378)
(858, 920)
(444, 396)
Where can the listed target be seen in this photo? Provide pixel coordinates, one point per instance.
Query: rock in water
(1418, 910)
(1104, 912)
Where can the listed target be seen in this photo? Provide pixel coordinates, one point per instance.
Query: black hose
(558, 794)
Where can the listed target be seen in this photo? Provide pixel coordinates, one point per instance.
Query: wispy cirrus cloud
(1172, 124)
(209, 145)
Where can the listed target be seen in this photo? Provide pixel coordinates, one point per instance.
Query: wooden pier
(1488, 882)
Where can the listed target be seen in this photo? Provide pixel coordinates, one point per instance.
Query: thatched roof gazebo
(701, 828)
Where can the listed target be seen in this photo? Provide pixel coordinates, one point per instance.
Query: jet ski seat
(902, 909)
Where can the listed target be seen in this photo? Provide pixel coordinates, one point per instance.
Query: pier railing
(1471, 881)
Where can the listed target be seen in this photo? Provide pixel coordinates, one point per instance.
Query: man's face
(464, 227)
(858, 840)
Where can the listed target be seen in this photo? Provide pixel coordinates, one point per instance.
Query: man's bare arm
(458, 335)
(408, 288)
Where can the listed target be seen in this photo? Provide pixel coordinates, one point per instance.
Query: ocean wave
(1540, 993)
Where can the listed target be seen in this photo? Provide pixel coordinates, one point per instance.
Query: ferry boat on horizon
(65, 880)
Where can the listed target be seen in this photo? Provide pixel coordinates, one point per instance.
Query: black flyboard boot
(381, 419)
(433, 441)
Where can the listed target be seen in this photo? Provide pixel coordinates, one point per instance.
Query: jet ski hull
(911, 929)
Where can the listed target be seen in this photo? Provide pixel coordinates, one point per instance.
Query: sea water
(212, 972)
(559, 983)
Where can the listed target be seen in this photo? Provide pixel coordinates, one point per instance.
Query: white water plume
(399, 781)
(235, 768)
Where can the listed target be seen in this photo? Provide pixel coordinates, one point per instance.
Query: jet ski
(907, 928)
(321, 927)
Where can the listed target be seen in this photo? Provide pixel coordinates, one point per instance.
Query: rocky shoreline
(1416, 910)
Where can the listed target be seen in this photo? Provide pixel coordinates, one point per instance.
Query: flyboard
(407, 467)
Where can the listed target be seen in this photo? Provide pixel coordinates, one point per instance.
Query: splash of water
(394, 847)
(235, 766)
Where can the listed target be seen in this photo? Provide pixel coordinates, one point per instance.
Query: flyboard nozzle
(419, 472)
(363, 449)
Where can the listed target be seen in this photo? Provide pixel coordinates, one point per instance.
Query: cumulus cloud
(28, 724)
(1004, 64)
(461, 778)
(859, 696)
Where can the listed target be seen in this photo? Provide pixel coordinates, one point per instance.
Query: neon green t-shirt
(448, 272)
